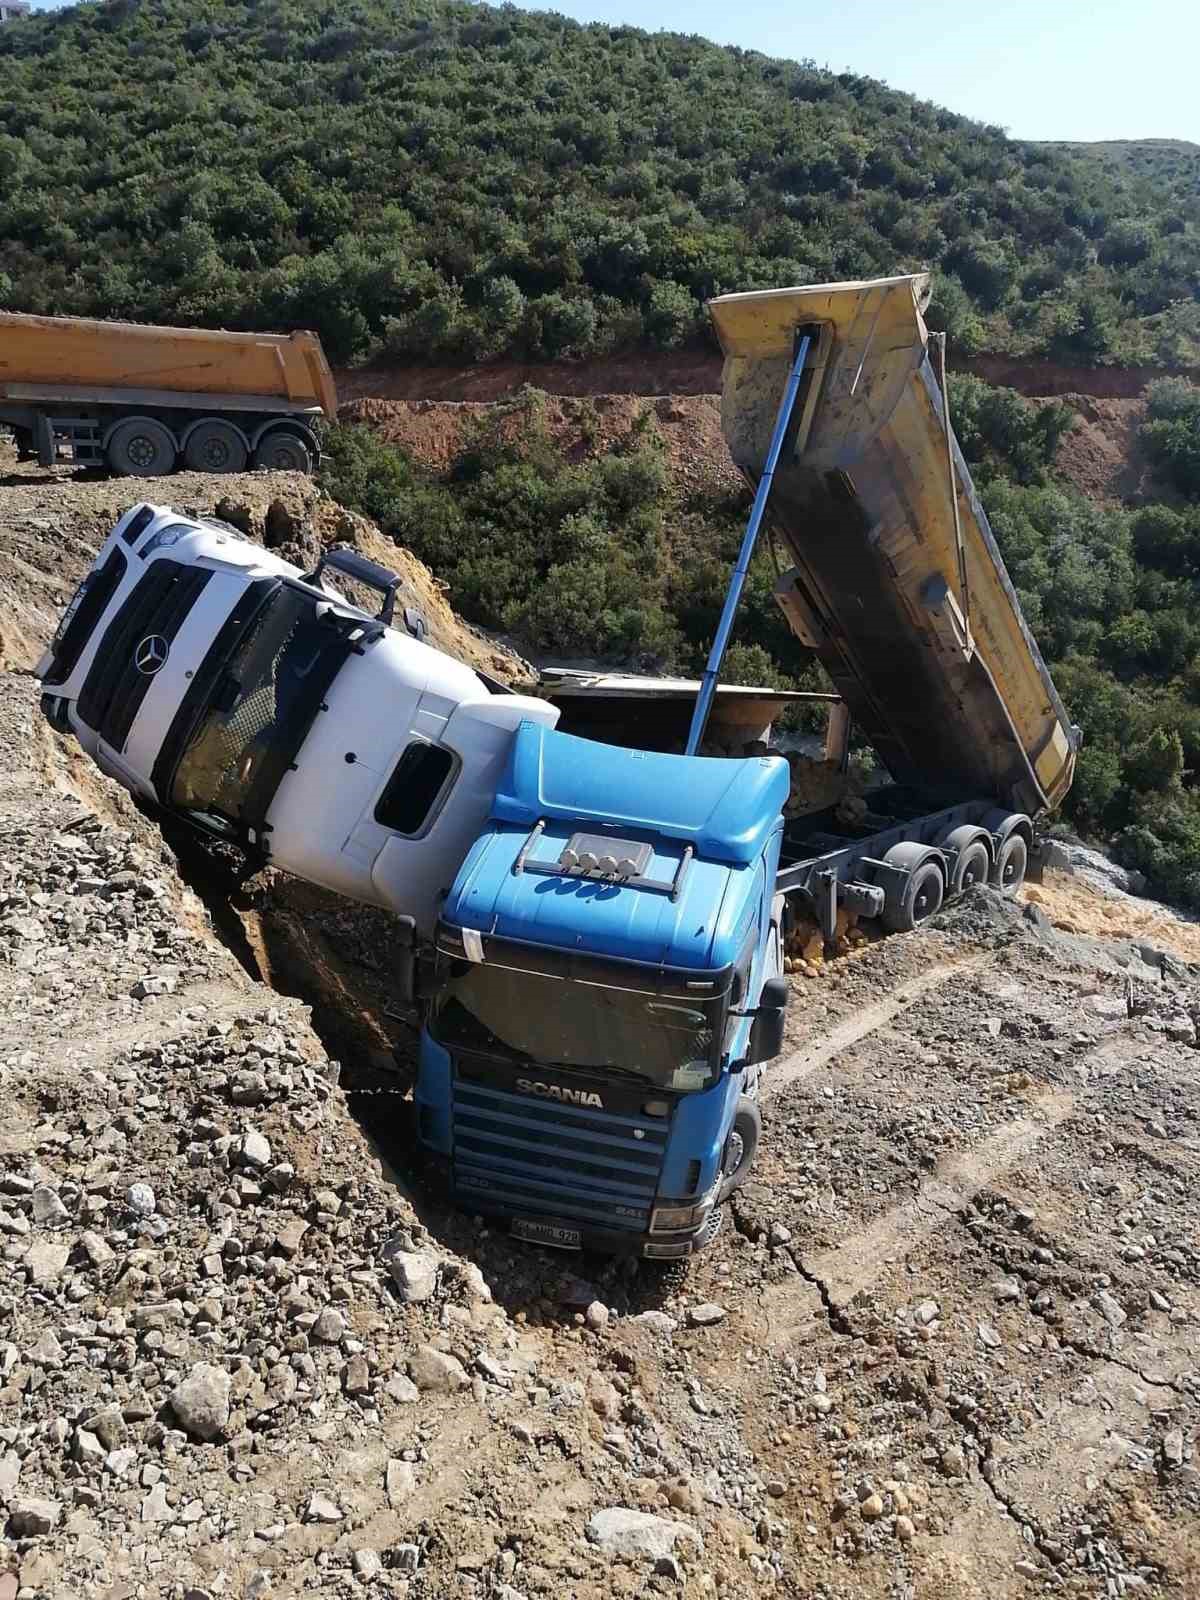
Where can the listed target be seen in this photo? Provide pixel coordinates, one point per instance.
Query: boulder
(621, 1532)
(201, 1401)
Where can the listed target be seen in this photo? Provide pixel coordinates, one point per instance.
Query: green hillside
(1172, 164)
(441, 180)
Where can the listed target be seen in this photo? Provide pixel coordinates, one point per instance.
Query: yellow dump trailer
(143, 400)
(896, 583)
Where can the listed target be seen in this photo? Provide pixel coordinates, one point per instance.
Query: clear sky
(1042, 69)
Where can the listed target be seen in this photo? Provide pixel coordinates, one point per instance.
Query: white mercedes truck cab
(219, 682)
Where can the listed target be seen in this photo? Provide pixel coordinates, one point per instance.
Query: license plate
(548, 1233)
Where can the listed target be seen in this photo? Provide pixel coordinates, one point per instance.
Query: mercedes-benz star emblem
(151, 655)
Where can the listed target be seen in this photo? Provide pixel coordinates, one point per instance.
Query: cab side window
(417, 783)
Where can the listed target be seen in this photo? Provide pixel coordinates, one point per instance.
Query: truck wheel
(971, 869)
(915, 899)
(283, 452)
(972, 863)
(215, 446)
(1011, 861)
(141, 448)
(740, 1148)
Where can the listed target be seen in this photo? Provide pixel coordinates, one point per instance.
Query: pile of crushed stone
(985, 916)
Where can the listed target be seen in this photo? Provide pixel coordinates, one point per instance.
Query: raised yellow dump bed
(909, 609)
(72, 358)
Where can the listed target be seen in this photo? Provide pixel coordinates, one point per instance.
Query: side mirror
(775, 995)
(406, 960)
(766, 1031)
(766, 1036)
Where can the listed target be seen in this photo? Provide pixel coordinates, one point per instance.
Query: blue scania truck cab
(606, 988)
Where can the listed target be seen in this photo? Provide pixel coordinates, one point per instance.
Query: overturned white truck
(215, 679)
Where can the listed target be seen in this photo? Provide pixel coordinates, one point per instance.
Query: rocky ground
(947, 1347)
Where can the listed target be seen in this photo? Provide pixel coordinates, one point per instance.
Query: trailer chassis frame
(856, 874)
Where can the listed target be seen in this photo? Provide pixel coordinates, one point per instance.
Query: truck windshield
(671, 1041)
(266, 696)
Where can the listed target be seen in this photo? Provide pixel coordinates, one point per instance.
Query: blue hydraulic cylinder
(736, 584)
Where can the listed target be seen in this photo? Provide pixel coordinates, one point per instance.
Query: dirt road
(947, 1346)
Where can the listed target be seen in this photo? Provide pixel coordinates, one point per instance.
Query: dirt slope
(52, 522)
(947, 1346)
(1100, 455)
(435, 432)
(696, 372)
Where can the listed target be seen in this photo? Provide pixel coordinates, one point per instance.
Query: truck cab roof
(723, 809)
(695, 829)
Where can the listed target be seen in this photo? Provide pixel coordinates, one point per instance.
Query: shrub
(1172, 432)
(1085, 329)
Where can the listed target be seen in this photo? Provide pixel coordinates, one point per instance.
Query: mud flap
(43, 435)
(1035, 870)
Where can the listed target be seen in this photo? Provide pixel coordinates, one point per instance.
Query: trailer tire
(1012, 859)
(283, 451)
(914, 899)
(215, 446)
(973, 867)
(140, 447)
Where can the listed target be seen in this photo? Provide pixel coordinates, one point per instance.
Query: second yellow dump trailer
(145, 400)
(896, 581)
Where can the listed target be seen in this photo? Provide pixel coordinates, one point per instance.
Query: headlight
(164, 539)
(670, 1219)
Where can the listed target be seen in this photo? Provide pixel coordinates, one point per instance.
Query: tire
(740, 1148)
(142, 448)
(283, 452)
(973, 867)
(919, 896)
(1011, 861)
(215, 446)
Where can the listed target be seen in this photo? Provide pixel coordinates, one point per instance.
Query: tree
(1172, 433)
(671, 315)
(1085, 329)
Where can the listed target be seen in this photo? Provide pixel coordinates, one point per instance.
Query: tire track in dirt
(820, 1051)
(847, 1269)
(1086, 1434)
(1088, 1431)
(844, 1271)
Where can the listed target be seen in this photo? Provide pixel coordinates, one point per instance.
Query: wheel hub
(734, 1151)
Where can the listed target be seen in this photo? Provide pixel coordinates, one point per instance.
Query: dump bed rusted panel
(78, 353)
(862, 500)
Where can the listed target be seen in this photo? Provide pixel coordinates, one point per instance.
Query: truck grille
(114, 688)
(514, 1153)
